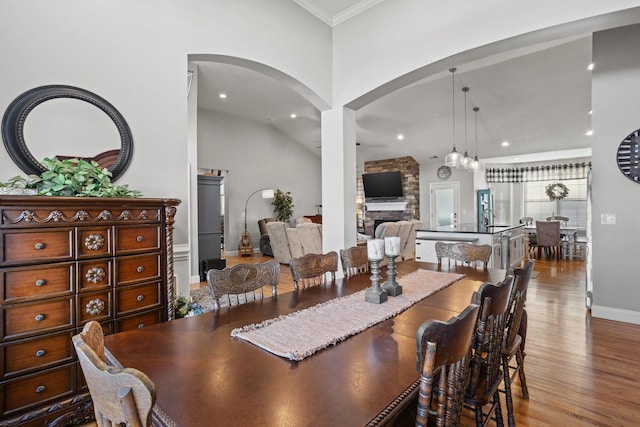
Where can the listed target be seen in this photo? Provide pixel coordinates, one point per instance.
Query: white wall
(616, 112)
(134, 54)
(257, 155)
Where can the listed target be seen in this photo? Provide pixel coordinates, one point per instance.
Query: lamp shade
(268, 193)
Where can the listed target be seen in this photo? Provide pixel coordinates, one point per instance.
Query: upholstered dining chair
(548, 237)
(242, 283)
(120, 395)
(513, 344)
(354, 260)
(443, 352)
(486, 360)
(313, 269)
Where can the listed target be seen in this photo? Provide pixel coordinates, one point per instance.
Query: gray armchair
(265, 242)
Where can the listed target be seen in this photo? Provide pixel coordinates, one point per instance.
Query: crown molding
(312, 7)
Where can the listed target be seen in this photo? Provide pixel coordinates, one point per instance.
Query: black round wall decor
(628, 156)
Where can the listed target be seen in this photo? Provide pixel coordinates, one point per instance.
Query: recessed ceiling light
(590, 67)
(222, 95)
(293, 115)
(400, 137)
(505, 143)
(589, 132)
(590, 112)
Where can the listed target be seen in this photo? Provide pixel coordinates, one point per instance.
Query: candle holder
(375, 254)
(392, 250)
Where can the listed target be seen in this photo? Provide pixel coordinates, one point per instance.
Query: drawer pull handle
(140, 269)
(39, 246)
(41, 353)
(140, 298)
(39, 317)
(95, 306)
(139, 239)
(40, 282)
(95, 275)
(41, 389)
(141, 325)
(93, 242)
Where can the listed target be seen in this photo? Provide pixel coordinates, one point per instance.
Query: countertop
(472, 228)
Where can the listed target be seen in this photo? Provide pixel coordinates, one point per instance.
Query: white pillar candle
(392, 246)
(375, 249)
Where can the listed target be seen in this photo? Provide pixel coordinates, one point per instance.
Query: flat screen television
(382, 185)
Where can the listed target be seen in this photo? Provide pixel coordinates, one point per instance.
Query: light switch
(608, 219)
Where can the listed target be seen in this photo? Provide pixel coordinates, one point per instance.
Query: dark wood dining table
(204, 377)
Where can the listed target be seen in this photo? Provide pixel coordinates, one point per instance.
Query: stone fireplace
(377, 213)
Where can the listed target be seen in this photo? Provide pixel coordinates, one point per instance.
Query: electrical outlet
(608, 219)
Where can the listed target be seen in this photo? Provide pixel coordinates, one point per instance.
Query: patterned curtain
(539, 173)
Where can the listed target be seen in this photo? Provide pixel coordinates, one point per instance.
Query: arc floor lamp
(246, 246)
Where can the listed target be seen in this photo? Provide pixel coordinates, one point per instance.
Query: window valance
(539, 173)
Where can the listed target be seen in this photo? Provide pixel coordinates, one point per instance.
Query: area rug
(302, 333)
(202, 296)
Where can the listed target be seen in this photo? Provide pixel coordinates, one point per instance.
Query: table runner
(302, 333)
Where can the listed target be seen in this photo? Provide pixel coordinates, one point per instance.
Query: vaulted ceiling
(537, 99)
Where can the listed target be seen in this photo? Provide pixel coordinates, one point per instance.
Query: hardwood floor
(580, 371)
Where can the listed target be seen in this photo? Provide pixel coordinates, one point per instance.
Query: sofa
(406, 230)
(293, 242)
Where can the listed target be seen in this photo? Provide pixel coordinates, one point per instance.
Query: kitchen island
(507, 242)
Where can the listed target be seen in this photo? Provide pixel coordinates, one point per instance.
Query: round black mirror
(13, 126)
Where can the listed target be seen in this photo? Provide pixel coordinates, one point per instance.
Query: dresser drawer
(20, 357)
(139, 321)
(21, 320)
(142, 238)
(36, 282)
(24, 392)
(95, 242)
(36, 246)
(97, 306)
(94, 275)
(132, 269)
(138, 298)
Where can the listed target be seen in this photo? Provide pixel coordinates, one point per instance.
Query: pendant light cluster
(454, 159)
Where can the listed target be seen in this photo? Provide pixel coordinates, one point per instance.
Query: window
(574, 206)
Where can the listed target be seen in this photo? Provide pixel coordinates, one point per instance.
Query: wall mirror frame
(16, 114)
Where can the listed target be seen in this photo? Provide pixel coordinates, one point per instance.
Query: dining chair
(443, 353)
(464, 252)
(580, 241)
(486, 360)
(513, 344)
(354, 260)
(548, 237)
(313, 269)
(120, 395)
(242, 283)
(563, 219)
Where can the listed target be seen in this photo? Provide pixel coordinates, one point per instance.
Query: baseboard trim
(617, 314)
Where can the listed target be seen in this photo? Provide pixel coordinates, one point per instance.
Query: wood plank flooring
(580, 371)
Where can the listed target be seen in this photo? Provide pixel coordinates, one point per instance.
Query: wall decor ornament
(628, 156)
(557, 191)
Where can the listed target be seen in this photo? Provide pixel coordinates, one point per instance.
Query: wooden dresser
(63, 262)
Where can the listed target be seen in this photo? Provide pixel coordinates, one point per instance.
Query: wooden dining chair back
(313, 269)
(463, 252)
(354, 260)
(242, 283)
(443, 352)
(486, 360)
(513, 347)
(548, 237)
(120, 395)
(564, 220)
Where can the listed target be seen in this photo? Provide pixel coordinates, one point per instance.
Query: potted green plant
(71, 177)
(282, 205)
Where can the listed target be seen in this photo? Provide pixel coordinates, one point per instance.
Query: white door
(444, 204)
